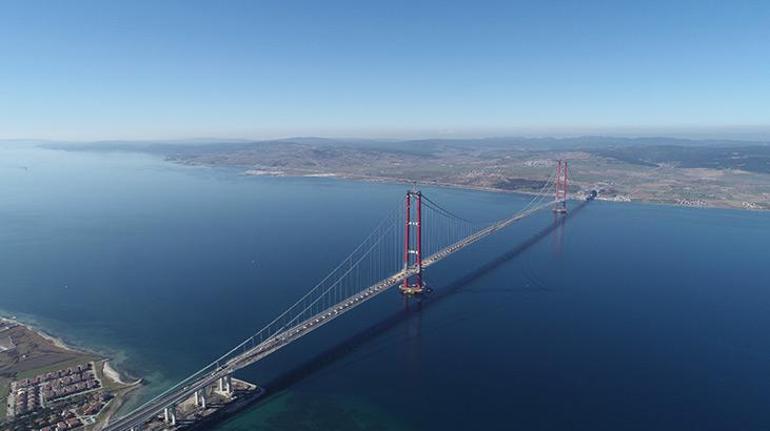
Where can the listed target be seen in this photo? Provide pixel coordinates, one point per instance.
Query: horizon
(752, 135)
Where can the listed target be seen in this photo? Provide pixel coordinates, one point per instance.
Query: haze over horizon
(748, 134)
(88, 70)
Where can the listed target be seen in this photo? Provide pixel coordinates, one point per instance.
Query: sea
(620, 316)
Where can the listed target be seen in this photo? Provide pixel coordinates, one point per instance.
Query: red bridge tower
(413, 244)
(562, 184)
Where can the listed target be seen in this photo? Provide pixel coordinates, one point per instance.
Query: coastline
(388, 180)
(114, 373)
(54, 354)
(116, 376)
(56, 341)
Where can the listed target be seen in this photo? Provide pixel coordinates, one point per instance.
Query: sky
(164, 69)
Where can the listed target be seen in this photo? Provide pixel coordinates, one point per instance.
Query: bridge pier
(169, 415)
(225, 384)
(200, 398)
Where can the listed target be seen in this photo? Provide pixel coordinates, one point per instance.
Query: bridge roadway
(135, 419)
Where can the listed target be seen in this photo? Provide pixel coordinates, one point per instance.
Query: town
(49, 386)
(58, 400)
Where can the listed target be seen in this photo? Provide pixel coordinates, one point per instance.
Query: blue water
(625, 317)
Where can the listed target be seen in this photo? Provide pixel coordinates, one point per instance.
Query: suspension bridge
(416, 234)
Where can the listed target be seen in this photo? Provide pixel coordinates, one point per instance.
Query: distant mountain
(754, 158)
(411, 146)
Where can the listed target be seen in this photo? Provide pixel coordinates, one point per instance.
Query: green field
(56, 366)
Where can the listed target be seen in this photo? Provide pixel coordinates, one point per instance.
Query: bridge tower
(562, 184)
(413, 244)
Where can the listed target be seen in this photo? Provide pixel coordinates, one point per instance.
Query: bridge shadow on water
(367, 335)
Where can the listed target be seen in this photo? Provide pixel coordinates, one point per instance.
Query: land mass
(707, 173)
(47, 385)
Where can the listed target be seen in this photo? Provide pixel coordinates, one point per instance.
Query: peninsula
(685, 172)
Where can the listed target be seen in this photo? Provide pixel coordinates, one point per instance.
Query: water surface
(626, 317)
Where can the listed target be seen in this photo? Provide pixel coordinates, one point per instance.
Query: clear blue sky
(179, 69)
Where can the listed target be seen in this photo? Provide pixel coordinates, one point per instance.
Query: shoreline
(122, 379)
(71, 347)
(115, 375)
(386, 180)
(56, 341)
